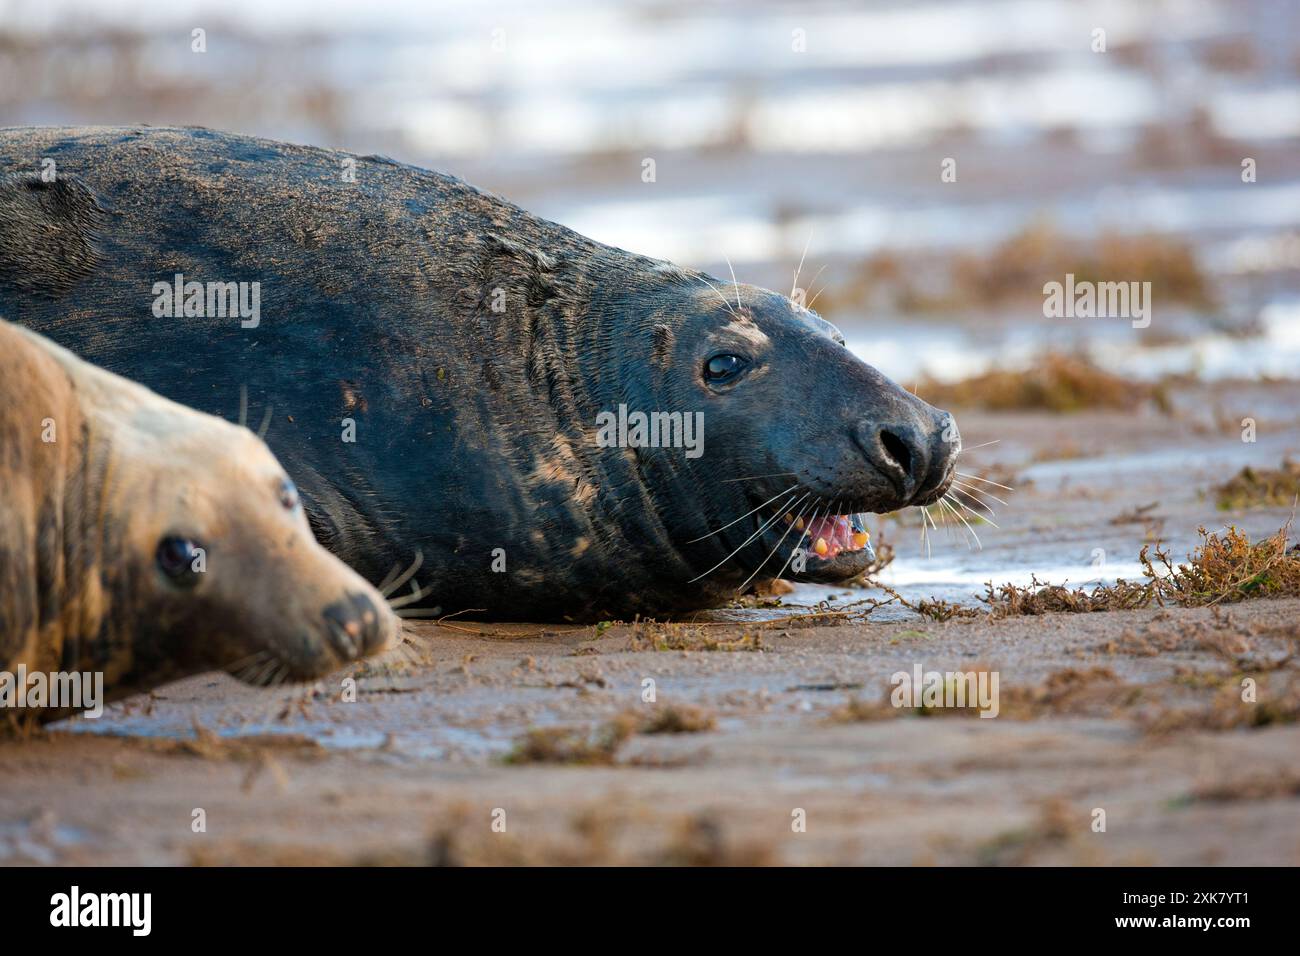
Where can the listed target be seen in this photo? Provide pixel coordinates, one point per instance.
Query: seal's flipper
(47, 232)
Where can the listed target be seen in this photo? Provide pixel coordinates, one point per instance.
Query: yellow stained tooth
(860, 539)
(798, 525)
(788, 517)
(821, 547)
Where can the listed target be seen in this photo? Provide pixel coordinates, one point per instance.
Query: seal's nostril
(897, 450)
(353, 626)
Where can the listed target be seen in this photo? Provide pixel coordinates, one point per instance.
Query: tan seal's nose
(356, 628)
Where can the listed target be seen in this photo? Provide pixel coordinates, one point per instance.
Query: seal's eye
(177, 559)
(289, 495)
(723, 368)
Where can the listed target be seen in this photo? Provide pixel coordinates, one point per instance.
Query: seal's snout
(356, 628)
(899, 452)
(917, 460)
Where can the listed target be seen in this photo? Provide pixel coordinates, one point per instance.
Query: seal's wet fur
(474, 346)
(95, 472)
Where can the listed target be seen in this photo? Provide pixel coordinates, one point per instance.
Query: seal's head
(801, 438)
(176, 542)
(223, 568)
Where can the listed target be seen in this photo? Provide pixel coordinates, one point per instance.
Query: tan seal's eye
(178, 559)
(289, 495)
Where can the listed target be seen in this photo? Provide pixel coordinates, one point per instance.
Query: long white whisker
(963, 520)
(819, 291)
(988, 518)
(946, 509)
(746, 514)
(776, 547)
(987, 481)
(734, 282)
(763, 527)
(976, 493)
(799, 268)
(775, 474)
(725, 300)
(797, 543)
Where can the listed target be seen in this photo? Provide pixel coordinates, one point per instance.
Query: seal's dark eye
(723, 368)
(288, 495)
(179, 560)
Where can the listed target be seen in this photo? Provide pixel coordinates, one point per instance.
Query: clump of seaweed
(860, 710)
(573, 745)
(599, 747)
(1260, 487)
(1016, 270)
(1272, 786)
(1276, 700)
(1054, 382)
(679, 719)
(1224, 569)
(1013, 600)
(654, 636)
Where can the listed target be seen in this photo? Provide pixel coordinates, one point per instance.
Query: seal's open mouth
(828, 537)
(807, 544)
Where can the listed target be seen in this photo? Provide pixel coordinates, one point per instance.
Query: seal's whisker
(416, 594)
(243, 661)
(987, 481)
(963, 520)
(405, 575)
(925, 532)
(739, 305)
(944, 510)
(784, 506)
(983, 445)
(266, 422)
(746, 514)
(243, 669)
(775, 474)
(796, 544)
(819, 291)
(725, 300)
(776, 547)
(973, 511)
(977, 492)
(948, 526)
(794, 286)
(260, 679)
(388, 578)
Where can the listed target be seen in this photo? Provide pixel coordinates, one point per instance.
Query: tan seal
(141, 541)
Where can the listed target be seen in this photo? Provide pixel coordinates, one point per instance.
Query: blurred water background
(780, 126)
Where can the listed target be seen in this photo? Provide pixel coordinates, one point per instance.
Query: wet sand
(1136, 713)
